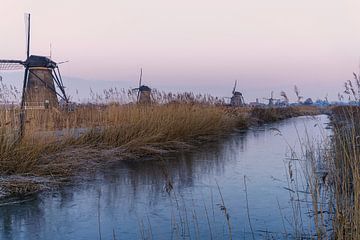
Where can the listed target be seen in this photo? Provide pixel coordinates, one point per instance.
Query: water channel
(235, 187)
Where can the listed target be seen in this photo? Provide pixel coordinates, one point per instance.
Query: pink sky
(265, 45)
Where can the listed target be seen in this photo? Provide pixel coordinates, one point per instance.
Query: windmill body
(38, 93)
(144, 95)
(237, 99)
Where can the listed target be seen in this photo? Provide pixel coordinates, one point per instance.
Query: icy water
(198, 195)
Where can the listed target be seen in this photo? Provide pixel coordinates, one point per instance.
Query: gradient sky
(194, 44)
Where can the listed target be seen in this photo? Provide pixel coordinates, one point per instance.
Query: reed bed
(343, 160)
(59, 143)
(265, 115)
(332, 179)
(310, 193)
(345, 172)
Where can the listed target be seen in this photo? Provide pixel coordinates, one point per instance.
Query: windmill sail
(11, 65)
(138, 95)
(140, 77)
(234, 87)
(27, 33)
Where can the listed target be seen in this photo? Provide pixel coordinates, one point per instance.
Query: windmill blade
(27, 31)
(11, 65)
(26, 74)
(234, 87)
(138, 96)
(140, 77)
(62, 62)
(56, 75)
(138, 89)
(22, 112)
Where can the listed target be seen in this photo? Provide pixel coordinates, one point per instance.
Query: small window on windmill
(46, 104)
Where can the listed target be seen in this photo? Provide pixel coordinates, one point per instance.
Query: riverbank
(115, 133)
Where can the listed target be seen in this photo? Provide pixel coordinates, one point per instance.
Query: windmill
(237, 98)
(144, 92)
(272, 99)
(42, 78)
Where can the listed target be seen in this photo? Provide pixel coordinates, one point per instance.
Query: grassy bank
(58, 145)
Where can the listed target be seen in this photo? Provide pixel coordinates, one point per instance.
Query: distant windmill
(272, 100)
(40, 78)
(237, 98)
(144, 92)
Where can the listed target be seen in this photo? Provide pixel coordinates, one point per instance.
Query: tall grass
(136, 128)
(332, 173)
(308, 185)
(346, 173)
(59, 143)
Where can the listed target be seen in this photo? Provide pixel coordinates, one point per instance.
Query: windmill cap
(39, 61)
(238, 93)
(144, 88)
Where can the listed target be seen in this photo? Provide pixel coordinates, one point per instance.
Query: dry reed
(59, 143)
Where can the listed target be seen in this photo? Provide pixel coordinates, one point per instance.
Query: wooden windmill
(42, 84)
(42, 78)
(237, 98)
(144, 92)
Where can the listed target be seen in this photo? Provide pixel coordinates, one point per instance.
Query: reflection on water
(131, 200)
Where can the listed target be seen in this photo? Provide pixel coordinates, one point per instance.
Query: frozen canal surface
(178, 197)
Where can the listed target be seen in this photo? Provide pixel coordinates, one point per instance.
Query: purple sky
(201, 45)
